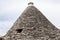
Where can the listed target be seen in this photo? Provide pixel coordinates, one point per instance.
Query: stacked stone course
(32, 25)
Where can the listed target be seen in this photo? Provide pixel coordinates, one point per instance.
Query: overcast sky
(10, 10)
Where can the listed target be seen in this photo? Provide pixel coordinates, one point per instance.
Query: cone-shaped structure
(32, 25)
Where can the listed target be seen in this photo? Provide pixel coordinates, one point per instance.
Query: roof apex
(30, 3)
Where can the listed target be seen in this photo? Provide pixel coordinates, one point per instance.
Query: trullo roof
(32, 25)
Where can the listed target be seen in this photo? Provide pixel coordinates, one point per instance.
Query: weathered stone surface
(32, 25)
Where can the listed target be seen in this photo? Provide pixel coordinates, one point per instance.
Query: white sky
(10, 10)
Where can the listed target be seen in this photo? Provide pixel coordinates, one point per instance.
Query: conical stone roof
(32, 25)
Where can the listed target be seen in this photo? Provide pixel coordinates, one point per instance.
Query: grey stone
(34, 25)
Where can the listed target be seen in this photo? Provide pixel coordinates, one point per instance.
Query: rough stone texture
(34, 25)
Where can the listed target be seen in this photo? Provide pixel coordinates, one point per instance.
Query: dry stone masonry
(32, 25)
